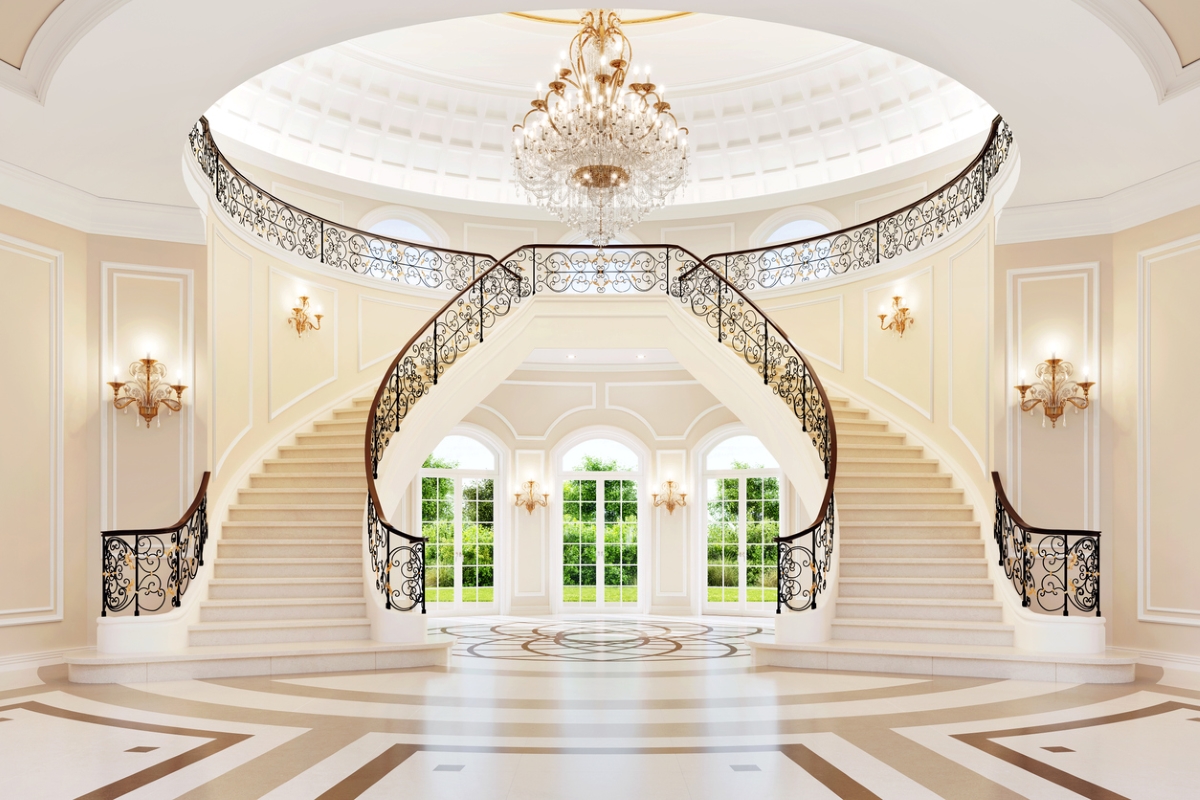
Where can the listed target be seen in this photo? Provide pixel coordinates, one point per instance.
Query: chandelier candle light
(593, 151)
(670, 497)
(149, 389)
(528, 498)
(1055, 391)
(301, 320)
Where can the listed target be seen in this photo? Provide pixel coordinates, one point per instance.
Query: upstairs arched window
(401, 229)
(795, 230)
(794, 224)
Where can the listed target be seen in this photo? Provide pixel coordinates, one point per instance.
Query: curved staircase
(286, 593)
(913, 594)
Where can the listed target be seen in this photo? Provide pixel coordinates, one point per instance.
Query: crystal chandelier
(596, 153)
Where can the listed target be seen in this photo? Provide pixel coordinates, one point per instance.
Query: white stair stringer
(287, 591)
(914, 592)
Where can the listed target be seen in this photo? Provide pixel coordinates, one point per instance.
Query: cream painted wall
(1127, 467)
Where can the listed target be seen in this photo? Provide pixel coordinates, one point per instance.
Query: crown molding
(46, 198)
(1143, 202)
(61, 31)
(1144, 34)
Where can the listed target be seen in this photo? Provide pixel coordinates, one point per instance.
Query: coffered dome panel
(430, 108)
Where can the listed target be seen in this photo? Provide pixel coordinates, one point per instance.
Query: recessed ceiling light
(570, 355)
(641, 355)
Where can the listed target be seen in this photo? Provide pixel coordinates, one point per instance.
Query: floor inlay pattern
(594, 708)
(601, 639)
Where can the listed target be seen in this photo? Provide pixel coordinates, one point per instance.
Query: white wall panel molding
(566, 410)
(477, 237)
(1148, 610)
(272, 333)
(113, 313)
(715, 232)
(35, 194)
(984, 355)
(669, 527)
(868, 208)
(1146, 37)
(530, 554)
(925, 316)
(1144, 202)
(61, 31)
(216, 306)
(1025, 355)
(368, 299)
(50, 609)
(609, 403)
(841, 348)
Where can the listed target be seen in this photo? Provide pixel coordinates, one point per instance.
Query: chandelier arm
(124, 402)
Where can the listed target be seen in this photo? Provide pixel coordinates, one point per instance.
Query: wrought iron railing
(148, 569)
(899, 233)
(342, 247)
(1051, 570)
(735, 320)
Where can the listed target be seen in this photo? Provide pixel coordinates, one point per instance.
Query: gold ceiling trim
(575, 22)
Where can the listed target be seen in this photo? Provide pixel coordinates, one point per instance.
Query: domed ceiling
(430, 108)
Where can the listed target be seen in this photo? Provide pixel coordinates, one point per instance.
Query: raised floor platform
(973, 661)
(285, 658)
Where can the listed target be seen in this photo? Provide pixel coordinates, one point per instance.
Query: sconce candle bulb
(1055, 390)
(301, 320)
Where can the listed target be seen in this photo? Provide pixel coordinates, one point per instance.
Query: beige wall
(1127, 466)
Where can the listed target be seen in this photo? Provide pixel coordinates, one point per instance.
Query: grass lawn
(445, 594)
(587, 594)
(728, 594)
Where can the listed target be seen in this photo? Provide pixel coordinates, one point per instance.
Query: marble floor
(612, 708)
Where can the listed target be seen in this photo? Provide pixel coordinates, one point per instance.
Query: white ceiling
(603, 357)
(430, 108)
(126, 89)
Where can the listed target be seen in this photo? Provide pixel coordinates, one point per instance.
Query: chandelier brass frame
(301, 320)
(149, 389)
(901, 319)
(527, 498)
(671, 498)
(597, 153)
(1055, 390)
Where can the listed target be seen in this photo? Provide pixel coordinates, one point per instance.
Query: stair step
(849, 437)
(289, 548)
(855, 496)
(350, 414)
(911, 548)
(914, 568)
(309, 480)
(881, 451)
(859, 425)
(332, 437)
(240, 531)
(894, 480)
(323, 513)
(905, 512)
(341, 426)
(925, 529)
(362, 402)
(957, 609)
(309, 496)
(208, 634)
(993, 634)
(842, 413)
(848, 463)
(293, 465)
(267, 609)
(290, 451)
(278, 588)
(916, 588)
(288, 568)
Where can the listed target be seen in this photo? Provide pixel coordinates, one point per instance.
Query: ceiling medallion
(596, 153)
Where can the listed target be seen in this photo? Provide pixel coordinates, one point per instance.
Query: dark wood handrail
(187, 515)
(1012, 512)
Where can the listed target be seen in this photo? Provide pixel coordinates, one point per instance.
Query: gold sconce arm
(528, 499)
(1054, 391)
(901, 318)
(301, 320)
(148, 390)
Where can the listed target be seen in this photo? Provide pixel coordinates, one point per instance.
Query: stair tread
(285, 542)
(267, 602)
(944, 624)
(305, 506)
(280, 581)
(308, 489)
(319, 559)
(898, 506)
(280, 523)
(885, 560)
(921, 601)
(942, 650)
(899, 489)
(330, 460)
(918, 581)
(882, 460)
(258, 650)
(938, 542)
(935, 523)
(273, 624)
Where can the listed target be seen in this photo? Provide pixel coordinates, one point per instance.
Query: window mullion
(458, 558)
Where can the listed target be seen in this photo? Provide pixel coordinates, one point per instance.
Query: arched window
(458, 517)
(600, 526)
(743, 509)
(795, 230)
(401, 229)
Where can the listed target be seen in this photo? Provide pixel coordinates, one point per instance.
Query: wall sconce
(149, 389)
(670, 498)
(901, 319)
(529, 499)
(1055, 390)
(301, 320)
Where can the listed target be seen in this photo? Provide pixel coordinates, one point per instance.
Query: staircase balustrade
(147, 569)
(1051, 570)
